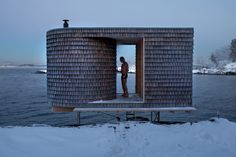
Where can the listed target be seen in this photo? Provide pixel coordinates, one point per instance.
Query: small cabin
(81, 69)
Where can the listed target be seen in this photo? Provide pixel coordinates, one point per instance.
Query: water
(23, 100)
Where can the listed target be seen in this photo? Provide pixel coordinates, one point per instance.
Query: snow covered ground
(229, 68)
(207, 71)
(203, 139)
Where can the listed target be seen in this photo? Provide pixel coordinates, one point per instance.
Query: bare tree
(213, 59)
(233, 50)
(220, 56)
(223, 53)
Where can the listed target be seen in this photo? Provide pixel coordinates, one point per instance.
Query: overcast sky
(24, 22)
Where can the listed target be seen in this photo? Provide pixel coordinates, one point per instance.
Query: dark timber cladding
(81, 66)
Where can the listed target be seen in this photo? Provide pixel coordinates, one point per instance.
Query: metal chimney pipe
(65, 24)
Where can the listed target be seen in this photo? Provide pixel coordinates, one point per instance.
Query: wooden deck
(161, 109)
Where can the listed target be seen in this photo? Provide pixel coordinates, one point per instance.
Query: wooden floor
(133, 98)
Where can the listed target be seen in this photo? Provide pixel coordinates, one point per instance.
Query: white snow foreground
(203, 139)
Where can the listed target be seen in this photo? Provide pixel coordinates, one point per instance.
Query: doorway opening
(128, 52)
(133, 54)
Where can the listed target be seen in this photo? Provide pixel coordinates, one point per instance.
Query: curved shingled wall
(79, 69)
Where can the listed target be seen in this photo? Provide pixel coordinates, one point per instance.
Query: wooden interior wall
(139, 68)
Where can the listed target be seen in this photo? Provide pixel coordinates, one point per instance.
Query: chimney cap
(65, 24)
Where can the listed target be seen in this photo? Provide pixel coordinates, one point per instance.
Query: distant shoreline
(228, 74)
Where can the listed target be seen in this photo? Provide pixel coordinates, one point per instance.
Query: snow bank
(206, 139)
(231, 67)
(207, 71)
(227, 69)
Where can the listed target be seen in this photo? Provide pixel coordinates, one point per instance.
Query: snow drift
(217, 138)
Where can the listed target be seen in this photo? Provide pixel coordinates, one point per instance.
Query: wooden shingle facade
(81, 67)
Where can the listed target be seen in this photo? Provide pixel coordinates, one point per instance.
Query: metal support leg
(157, 117)
(151, 116)
(78, 118)
(117, 117)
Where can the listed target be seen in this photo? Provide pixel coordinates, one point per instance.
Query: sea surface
(23, 100)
